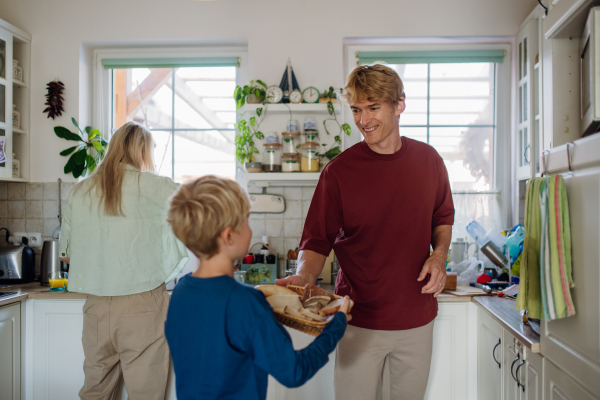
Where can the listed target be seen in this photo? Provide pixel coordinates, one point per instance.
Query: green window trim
(431, 57)
(125, 63)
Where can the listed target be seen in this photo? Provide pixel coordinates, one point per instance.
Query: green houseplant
(249, 129)
(88, 152)
(334, 150)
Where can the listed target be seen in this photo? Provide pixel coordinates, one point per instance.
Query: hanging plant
(87, 154)
(54, 99)
(334, 150)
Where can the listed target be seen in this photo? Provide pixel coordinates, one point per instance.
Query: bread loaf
(270, 290)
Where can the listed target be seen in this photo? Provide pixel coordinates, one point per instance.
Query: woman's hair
(131, 144)
(375, 82)
(201, 209)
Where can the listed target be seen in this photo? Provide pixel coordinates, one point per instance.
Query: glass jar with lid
(272, 157)
(290, 140)
(290, 163)
(311, 136)
(309, 161)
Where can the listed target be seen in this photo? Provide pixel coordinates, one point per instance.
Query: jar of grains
(290, 163)
(272, 157)
(309, 161)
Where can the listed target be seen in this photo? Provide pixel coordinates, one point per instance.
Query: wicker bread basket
(313, 328)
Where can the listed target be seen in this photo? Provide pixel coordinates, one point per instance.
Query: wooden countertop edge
(532, 343)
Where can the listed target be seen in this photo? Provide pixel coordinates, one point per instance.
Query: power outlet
(35, 239)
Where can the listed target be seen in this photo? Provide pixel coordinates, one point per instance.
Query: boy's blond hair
(375, 82)
(203, 208)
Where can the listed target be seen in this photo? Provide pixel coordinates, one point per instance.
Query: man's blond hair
(203, 208)
(375, 82)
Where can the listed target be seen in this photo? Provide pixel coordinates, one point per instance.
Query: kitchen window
(187, 104)
(453, 102)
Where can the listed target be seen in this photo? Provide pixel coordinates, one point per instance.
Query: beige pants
(125, 334)
(363, 353)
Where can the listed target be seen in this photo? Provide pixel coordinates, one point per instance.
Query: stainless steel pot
(50, 260)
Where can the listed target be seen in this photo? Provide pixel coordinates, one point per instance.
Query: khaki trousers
(363, 353)
(125, 334)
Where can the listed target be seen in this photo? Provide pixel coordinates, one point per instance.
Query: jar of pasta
(309, 161)
(290, 141)
(272, 157)
(290, 163)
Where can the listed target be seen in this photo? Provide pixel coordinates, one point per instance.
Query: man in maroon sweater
(380, 205)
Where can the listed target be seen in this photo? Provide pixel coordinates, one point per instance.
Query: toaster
(17, 264)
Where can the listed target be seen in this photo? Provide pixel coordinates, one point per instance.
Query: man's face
(377, 120)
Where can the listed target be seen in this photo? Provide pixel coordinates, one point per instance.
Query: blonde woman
(121, 252)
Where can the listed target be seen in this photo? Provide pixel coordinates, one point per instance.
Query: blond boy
(223, 336)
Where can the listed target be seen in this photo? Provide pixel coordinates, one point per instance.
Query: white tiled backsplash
(284, 230)
(31, 207)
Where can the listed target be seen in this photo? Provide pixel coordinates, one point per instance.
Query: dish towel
(546, 271)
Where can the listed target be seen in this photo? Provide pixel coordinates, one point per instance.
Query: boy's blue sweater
(225, 340)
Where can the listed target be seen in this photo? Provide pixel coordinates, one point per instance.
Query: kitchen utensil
(466, 291)
(494, 254)
(17, 264)
(50, 261)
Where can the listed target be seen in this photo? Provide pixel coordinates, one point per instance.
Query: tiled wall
(284, 230)
(31, 207)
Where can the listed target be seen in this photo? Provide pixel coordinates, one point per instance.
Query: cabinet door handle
(519, 384)
(525, 153)
(512, 365)
(494, 352)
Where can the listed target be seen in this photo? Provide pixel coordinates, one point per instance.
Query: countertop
(510, 318)
(35, 291)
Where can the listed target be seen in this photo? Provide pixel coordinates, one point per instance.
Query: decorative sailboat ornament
(288, 82)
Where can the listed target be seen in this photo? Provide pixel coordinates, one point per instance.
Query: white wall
(311, 32)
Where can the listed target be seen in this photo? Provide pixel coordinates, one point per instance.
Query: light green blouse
(116, 255)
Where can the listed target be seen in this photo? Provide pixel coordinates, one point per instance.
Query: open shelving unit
(296, 108)
(15, 44)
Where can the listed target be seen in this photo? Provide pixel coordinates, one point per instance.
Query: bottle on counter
(249, 259)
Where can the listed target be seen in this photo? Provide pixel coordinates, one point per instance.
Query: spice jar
(290, 140)
(272, 158)
(309, 161)
(312, 136)
(290, 163)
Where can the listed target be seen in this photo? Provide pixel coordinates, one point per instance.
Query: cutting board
(466, 291)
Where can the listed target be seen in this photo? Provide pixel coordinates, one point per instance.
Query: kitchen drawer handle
(494, 352)
(512, 365)
(517, 376)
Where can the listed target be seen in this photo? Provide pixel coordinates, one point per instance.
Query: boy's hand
(344, 308)
(296, 280)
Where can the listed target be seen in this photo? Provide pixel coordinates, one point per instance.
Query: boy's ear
(227, 236)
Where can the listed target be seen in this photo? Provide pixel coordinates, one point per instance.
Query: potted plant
(328, 95)
(87, 154)
(255, 92)
(244, 142)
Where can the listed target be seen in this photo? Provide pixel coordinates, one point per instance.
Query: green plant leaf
(347, 130)
(259, 111)
(64, 133)
(261, 83)
(260, 135)
(76, 124)
(253, 121)
(88, 129)
(338, 139)
(237, 93)
(78, 170)
(93, 133)
(91, 163)
(104, 142)
(68, 151)
(80, 157)
(330, 107)
(97, 145)
(253, 150)
(333, 152)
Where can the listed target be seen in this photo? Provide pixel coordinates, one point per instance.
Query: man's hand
(435, 266)
(296, 280)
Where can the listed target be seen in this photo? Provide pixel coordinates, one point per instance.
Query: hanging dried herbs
(54, 99)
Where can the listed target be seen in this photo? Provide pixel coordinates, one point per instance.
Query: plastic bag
(467, 271)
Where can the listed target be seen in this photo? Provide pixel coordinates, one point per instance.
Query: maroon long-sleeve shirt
(378, 211)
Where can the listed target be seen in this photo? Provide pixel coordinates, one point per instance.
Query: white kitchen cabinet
(489, 357)
(528, 116)
(10, 352)
(512, 357)
(559, 386)
(15, 44)
(531, 377)
(565, 17)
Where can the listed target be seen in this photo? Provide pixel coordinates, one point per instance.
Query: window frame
(102, 102)
(504, 112)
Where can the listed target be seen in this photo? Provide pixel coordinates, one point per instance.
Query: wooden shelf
(266, 179)
(19, 83)
(282, 108)
(21, 131)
